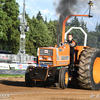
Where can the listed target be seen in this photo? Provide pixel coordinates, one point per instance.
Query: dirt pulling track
(16, 90)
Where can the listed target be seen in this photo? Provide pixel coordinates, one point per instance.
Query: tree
(30, 48)
(83, 25)
(75, 22)
(52, 32)
(38, 36)
(41, 34)
(92, 40)
(45, 20)
(3, 26)
(97, 29)
(39, 16)
(12, 11)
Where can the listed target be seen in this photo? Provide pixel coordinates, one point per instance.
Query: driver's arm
(73, 44)
(65, 42)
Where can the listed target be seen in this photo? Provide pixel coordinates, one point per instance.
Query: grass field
(9, 75)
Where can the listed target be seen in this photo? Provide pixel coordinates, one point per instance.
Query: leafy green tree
(83, 25)
(3, 26)
(41, 35)
(38, 36)
(92, 40)
(97, 34)
(30, 48)
(75, 22)
(52, 32)
(97, 28)
(45, 20)
(11, 8)
(39, 16)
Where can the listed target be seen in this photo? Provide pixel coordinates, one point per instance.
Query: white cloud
(20, 2)
(90, 23)
(46, 11)
(29, 7)
(58, 15)
(96, 9)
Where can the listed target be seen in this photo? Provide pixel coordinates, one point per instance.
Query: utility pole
(22, 35)
(22, 28)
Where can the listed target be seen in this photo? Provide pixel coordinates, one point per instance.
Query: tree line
(41, 34)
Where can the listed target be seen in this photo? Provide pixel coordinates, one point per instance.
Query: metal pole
(24, 12)
(22, 36)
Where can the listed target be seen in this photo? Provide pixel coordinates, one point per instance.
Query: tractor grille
(48, 53)
(45, 62)
(64, 57)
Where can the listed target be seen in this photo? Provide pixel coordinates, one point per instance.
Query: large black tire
(89, 69)
(28, 81)
(63, 78)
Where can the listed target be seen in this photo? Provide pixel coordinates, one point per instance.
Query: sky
(48, 9)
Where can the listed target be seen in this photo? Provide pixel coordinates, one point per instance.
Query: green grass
(9, 75)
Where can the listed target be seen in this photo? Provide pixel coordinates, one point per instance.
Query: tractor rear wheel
(63, 78)
(89, 69)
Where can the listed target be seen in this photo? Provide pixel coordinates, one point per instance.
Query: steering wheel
(66, 43)
(62, 44)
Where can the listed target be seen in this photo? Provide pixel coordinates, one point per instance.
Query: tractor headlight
(49, 58)
(40, 58)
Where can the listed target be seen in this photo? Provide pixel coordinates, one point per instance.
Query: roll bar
(85, 40)
(64, 24)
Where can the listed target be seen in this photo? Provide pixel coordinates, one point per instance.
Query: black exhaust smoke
(63, 9)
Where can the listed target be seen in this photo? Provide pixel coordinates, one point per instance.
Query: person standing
(72, 44)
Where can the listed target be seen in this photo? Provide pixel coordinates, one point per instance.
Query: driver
(72, 44)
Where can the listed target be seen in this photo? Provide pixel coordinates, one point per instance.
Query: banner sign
(4, 66)
(20, 66)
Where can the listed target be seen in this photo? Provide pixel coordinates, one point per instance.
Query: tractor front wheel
(63, 78)
(28, 81)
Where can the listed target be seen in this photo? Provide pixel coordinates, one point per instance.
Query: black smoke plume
(65, 8)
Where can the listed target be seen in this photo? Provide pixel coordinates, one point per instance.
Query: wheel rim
(96, 70)
(66, 78)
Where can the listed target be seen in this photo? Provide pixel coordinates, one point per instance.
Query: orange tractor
(54, 62)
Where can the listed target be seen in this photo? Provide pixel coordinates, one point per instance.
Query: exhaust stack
(58, 40)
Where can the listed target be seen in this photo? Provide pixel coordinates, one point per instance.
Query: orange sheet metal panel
(63, 56)
(54, 57)
(60, 56)
(79, 49)
(64, 51)
(45, 58)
